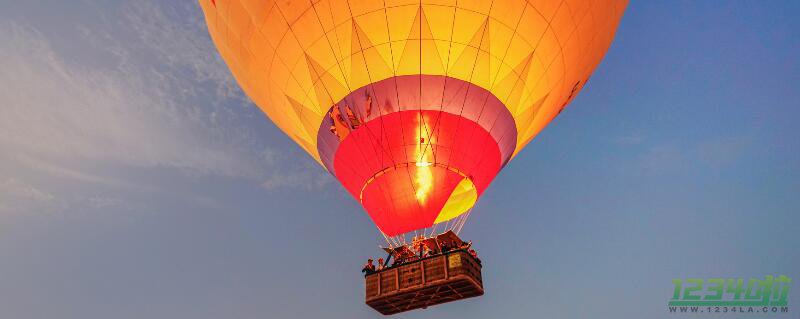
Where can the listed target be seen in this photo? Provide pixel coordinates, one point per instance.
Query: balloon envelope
(414, 106)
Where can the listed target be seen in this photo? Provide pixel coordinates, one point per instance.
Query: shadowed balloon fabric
(414, 106)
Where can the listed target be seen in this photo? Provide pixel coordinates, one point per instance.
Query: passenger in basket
(418, 245)
(380, 264)
(428, 251)
(368, 267)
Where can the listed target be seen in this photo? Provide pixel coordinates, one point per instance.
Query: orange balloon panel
(331, 73)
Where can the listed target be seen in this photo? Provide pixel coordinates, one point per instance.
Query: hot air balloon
(414, 106)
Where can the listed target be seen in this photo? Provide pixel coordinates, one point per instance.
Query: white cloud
(154, 94)
(54, 109)
(18, 196)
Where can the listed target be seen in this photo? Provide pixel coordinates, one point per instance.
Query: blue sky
(136, 180)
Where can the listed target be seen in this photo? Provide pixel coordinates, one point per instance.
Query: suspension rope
(455, 225)
(466, 216)
(387, 239)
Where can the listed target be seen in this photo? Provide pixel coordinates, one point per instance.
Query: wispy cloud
(631, 139)
(156, 95)
(18, 196)
(710, 153)
(56, 109)
(301, 176)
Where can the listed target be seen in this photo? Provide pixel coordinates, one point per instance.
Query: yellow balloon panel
(294, 59)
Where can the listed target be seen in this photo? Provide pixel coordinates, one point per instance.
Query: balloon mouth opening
(436, 192)
(413, 169)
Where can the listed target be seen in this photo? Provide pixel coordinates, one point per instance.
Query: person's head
(380, 260)
(369, 260)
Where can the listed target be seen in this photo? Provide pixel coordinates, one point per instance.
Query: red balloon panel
(403, 166)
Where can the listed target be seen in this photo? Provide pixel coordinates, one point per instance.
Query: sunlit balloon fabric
(414, 106)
